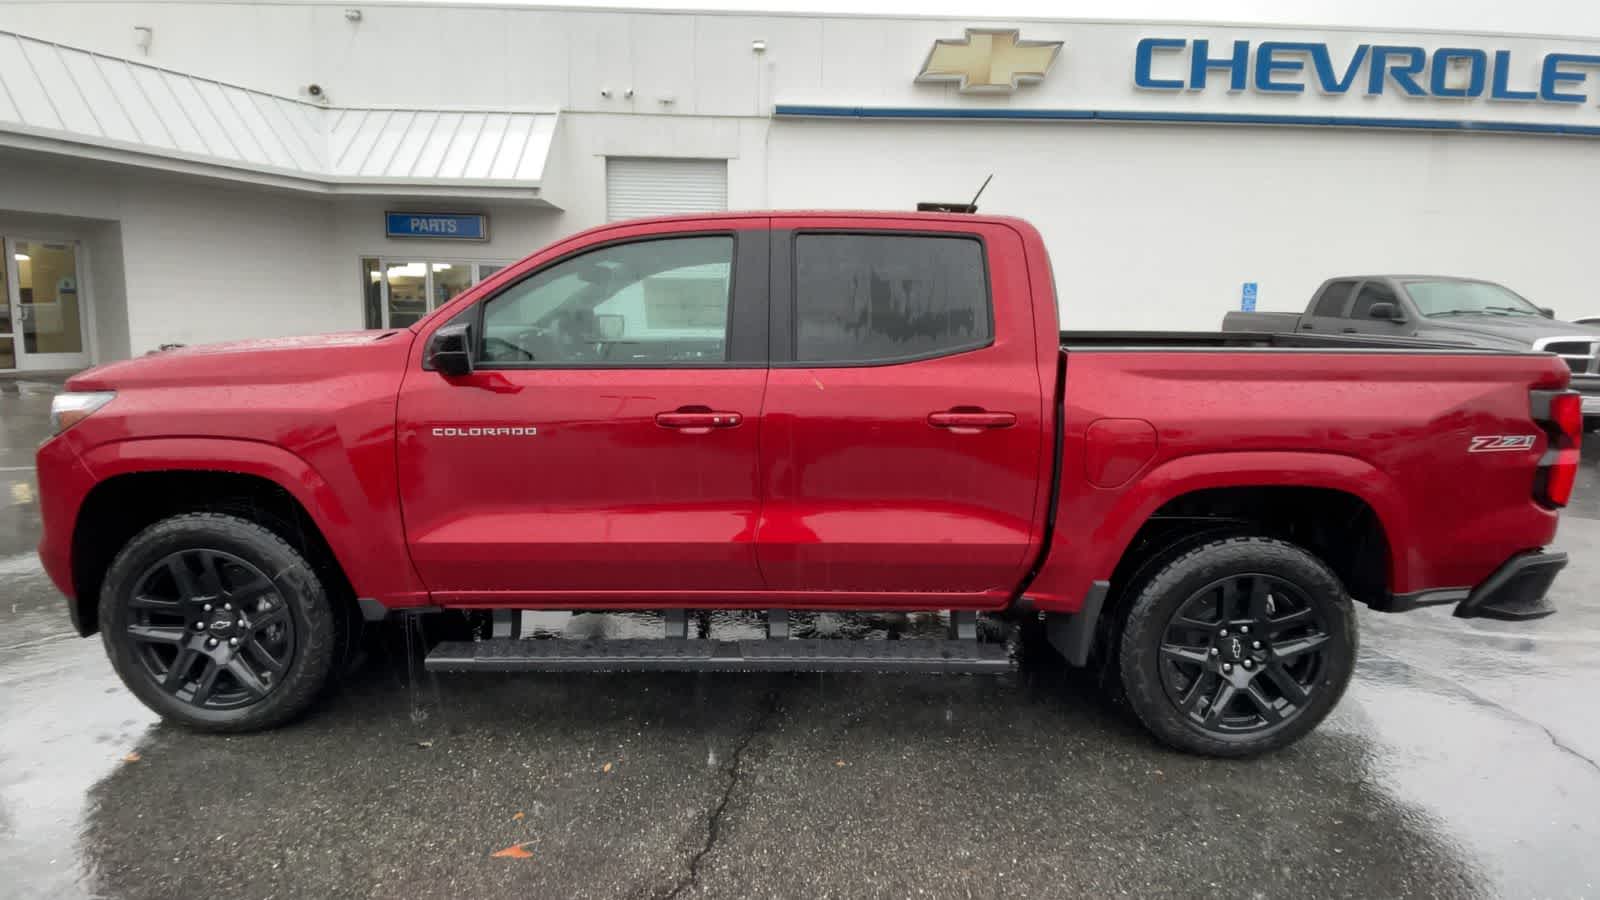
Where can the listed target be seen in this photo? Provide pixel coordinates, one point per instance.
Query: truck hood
(1508, 331)
(266, 360)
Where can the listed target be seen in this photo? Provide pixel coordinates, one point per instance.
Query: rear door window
(1333, 299)
(872, 298)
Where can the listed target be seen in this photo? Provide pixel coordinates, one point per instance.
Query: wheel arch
(1276, 493)
(139, 483)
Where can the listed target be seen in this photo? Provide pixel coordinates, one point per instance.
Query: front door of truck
(902, 439)
(604, 447)
(1361, 321)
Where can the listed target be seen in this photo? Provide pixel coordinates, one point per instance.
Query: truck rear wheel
(217, 623)
(1237, 647)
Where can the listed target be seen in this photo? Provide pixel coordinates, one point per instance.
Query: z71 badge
(1491, 443)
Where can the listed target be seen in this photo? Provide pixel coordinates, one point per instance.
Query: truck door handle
(1309, 327)
(698, 420)
(1349, 331)
(971, 421)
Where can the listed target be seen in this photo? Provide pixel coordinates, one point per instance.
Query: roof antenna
(973, 206)
(957, 207)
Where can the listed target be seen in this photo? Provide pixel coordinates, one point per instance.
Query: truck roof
(833, 214)
(1408, 277)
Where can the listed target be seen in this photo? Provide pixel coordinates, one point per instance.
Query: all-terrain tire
(316, 637)
(1155, 602)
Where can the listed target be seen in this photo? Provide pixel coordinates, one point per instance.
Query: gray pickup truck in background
(1441, 310)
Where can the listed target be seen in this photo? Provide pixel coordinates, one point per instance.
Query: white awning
(66, 100)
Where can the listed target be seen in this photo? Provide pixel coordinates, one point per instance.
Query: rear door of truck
(1326, 314)
(901, 431)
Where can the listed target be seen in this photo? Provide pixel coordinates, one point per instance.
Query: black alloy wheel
(218, 623)
(1243, 653)
(211, 629)
(1235, 647)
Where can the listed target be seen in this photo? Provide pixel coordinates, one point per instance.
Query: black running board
(697, 655)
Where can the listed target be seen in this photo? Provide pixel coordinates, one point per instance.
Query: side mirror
(1385, 311)
(1547, 312)
(450, 350)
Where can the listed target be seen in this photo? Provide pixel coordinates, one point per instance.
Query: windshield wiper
(1514, 310)
(1455, 312)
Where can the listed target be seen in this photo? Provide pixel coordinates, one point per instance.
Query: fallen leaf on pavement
(424, 744)
(839, 763)
(132, 757)
(606, 767)
(515, 851)
(519, 817)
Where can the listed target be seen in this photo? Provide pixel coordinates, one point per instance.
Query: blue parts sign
(439, 226)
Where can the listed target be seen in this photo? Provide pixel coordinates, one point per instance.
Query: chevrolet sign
(988, 61)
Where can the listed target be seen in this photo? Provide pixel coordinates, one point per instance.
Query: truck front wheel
(1237, 647)
(217, 623)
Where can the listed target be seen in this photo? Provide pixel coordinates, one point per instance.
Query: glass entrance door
(45, 322)
(8, 337)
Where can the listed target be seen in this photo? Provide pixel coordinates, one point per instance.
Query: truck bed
(1181, 340)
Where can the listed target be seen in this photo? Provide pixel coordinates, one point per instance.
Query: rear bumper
(1516, 591)
(1589, 387)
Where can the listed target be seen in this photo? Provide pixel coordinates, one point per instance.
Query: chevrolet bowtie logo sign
(989, 61)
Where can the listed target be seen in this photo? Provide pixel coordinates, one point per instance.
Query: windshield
(1443, 298)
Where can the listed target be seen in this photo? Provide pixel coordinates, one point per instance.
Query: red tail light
(1561, 414)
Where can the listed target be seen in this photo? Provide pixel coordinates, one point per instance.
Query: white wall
(420, 54)
(187, 260)
(1151, 226)
(109, 291)
(1158, 226)
(199, 262)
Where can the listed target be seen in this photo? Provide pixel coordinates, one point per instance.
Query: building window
(637, 188)
(398, 292)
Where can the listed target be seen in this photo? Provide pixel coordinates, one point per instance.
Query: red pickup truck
(784, 412)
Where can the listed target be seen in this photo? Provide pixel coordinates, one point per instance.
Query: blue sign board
(439, 226)
(1247, 299)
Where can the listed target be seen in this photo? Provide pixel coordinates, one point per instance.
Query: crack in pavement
(1482, 700)
(734, 774)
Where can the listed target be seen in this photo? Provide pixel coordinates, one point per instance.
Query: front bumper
(1516, 591)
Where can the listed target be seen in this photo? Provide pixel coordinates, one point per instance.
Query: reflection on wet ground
(1462, 763)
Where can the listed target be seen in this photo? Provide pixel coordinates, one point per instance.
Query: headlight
(68, 409)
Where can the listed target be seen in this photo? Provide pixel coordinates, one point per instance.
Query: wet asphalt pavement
(1464, 761)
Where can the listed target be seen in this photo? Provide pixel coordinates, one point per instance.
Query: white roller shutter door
(662, 187)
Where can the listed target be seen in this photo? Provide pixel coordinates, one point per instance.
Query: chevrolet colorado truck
(786, 413)
(1469, 312)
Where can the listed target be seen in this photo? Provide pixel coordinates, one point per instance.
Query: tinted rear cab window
(1333, 299)
(880, 298)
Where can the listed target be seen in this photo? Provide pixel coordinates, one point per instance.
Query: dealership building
(180, 173)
